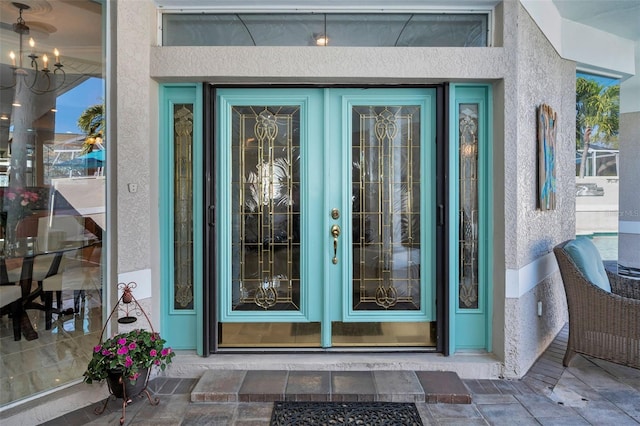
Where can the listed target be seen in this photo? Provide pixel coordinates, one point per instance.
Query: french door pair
(326, 217)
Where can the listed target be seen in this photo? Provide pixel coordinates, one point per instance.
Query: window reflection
(52, 204)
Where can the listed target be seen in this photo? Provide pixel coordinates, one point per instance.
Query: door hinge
(440, 215)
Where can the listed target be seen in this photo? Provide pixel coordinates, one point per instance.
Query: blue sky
(75, 101)
(603, 81)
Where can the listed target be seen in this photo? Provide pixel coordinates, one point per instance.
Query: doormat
(290, 413)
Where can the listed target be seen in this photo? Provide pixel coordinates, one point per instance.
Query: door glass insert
(386, 207)
(183, 202)
(468, 227)
(265, 208)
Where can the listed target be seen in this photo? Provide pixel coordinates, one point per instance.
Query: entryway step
(288, 385)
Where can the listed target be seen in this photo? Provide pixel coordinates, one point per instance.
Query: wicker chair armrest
(623, 286)
(602, 311)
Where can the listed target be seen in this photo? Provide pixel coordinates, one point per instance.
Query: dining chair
(75, 273)
(10, 296)
(43, 265)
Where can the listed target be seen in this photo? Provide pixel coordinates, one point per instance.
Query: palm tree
(597, 114)
(92, 123)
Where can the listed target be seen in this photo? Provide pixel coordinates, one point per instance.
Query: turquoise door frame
(325, 138)
(468, 328)
(181, 327)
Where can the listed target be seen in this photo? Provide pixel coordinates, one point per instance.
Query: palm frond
(91, 121)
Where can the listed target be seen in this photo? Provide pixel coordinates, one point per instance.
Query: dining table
(17, 260)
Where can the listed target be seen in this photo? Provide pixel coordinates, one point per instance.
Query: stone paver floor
(589, 392)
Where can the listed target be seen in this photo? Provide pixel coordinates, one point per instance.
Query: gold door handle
(335, 231)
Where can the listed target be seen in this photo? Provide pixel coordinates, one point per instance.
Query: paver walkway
(589, 392)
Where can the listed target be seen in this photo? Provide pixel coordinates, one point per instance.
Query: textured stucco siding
(136, 143)
(542, 78)
(135, 121)
(629, 250)
(629, 216)
(527, 333)
(355, 65)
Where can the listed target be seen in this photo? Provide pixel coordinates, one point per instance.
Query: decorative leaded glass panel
(468, 227)
(266, 207)
(386, 207)
(183, 206)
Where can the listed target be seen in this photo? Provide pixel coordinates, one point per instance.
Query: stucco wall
(134, 130)
(136, 97)
(354, 65)
(542, 77)
(527, 333)
(629, 229)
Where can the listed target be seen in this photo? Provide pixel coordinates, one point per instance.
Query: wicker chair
(602, 324)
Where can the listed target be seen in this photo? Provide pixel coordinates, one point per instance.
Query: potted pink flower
(127, 358)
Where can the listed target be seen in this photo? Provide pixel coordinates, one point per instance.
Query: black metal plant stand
(119, 386)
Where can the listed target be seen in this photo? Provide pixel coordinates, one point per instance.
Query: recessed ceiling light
(322, 40)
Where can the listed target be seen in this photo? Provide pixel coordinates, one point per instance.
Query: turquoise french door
(325, 216)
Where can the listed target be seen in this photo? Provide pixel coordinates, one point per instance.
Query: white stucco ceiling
(619, 17)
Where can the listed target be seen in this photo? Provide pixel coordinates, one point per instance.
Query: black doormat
(345, 413)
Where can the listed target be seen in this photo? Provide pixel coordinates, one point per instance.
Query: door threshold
(350, 349)
(478, 365)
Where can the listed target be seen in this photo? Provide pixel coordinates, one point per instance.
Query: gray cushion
(587, 258)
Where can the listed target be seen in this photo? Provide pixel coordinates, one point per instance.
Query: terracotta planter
(121, 387)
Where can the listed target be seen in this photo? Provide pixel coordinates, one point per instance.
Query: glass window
(52, 194)
(468, 214)
(597, 125)
(317, 29)
(597, 161)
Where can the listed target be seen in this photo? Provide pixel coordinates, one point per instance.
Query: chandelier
(40, 82)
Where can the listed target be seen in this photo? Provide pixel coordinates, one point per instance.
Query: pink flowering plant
(21, 201)
(129, 353)
(22, 196)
